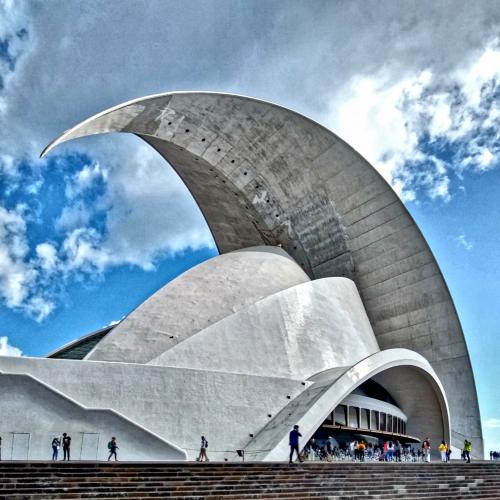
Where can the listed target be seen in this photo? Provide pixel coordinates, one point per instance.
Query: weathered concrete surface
(294, 333)
(197, 299)
(262, 174)
(31, 407)
(330, 388)
(179, 405)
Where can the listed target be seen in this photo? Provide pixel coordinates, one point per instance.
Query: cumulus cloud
(85, 179)
(8, 350)
(421, 129)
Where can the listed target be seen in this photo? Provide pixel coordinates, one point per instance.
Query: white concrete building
(325, 308)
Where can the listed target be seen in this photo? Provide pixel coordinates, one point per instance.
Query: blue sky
(91, 231)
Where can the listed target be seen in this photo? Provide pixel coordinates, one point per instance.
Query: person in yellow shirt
(442, 449)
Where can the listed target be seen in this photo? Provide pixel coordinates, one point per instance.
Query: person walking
(66, 444)
(293, 441)
(112, 447)
(56, 443)
(467, 450)
(426, 450)
(202, 457)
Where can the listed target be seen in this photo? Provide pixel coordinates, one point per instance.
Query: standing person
(397, 451)
(426, 450)
(66, 443)
(56, 443)
(202, 457)
(293, 441)
(0, 447)
(112, 447)
(467, 450)
(390, 451)
(442, 449)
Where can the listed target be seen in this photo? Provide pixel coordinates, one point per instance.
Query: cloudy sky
(89, 232)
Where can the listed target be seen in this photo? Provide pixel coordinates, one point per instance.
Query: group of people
(389, 451)
(494, 455)
(66, 446)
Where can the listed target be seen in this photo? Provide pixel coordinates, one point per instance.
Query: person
(390, 451)
(426, 450)
(112, 447)
(66, 443)
(202, 457)
(293, 441)
(0, 447)
(467, 450)
(56, 443)
(361, 451)
(442, 449)
(397, 451)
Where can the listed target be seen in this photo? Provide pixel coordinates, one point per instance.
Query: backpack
(110, 445)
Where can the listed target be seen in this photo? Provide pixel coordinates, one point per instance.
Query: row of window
(362, 418)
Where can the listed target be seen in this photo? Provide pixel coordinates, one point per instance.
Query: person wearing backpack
(112, 447)
(467, 450)
(202, 457)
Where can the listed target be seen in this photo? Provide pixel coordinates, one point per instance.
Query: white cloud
(492, 423)
(462, 241)
(397, 123)
(85, 179)
(8, 350)
(47, 255)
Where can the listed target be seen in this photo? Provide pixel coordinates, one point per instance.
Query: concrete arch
(263, 174)
(330, 388)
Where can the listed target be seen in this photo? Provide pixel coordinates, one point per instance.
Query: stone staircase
(338, 480)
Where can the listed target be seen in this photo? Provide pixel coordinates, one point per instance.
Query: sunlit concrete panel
(294, 333)
(196, 299)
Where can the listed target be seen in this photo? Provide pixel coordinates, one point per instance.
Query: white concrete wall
(34, 412)
(177, 404)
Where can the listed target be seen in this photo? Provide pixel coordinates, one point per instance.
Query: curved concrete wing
(263, 174)
(294, 334)
(330, 388)
(183, 307)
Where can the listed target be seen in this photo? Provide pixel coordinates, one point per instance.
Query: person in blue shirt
(294, 442)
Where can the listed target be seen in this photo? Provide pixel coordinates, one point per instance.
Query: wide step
(332, 481)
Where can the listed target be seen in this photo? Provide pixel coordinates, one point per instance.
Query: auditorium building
(324, 308)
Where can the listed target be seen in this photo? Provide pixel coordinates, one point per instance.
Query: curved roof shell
(263, 174)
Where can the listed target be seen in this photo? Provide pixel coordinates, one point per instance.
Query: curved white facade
(324, 282)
